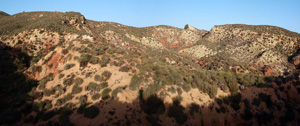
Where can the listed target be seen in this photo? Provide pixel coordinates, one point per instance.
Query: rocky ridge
(103, 73)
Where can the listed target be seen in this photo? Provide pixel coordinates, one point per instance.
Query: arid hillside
(62, 69)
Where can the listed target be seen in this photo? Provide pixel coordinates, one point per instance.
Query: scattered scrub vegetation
(68, 66)
(105, 93)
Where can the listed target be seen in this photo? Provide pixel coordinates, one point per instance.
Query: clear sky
(202, 14)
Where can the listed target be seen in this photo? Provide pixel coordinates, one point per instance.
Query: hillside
(62, 69)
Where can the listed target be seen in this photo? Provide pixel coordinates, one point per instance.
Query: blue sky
(202, 14)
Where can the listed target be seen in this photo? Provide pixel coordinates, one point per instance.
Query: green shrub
(68, 66)
(83, 49)
(106, 75)
(103, 85)
(63, 100)
(78, 81)
(69, 57)
(125, 68)
(152, 89)
(91, 112)
(92, 86)
(76, 58)
(42, 83)
(68, 82)
(94, 60)
(172, 90)
(120, 63)
(104, 60)
(68, 97)
(61, 76)
(179, 91)
(186, 87)
(83, 99)
(96, 96)
(65, 51)
(48, 92)
(36, 69)
(99, 50)
(97, 78)
(115, 92)
(84, 59)
(105, 93)
(76, 89)
(135, 82)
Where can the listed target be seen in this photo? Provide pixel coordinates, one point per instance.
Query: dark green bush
(83, 49)
(78, 81)
(120, 63)
(92, 86)
(83, 99)
(115, 92)
(96, 96)
(69, 57)
(76, 58)
(42, 83)
(103, 85)
(94, 60)
(179, 91)
(104, 60)
(84, 59)
(105, 93)
(68, 82)
(65, 51)
(68, 66)
(68, 97)
(152, 89)
(91, 112)
(125, 68)
(36, 69)
(186, 87)
(76, 89)
(99, 50)
(106, 75)
(61, 76)
(48, 92)
(172, 90)
(135, 82)
(97, 78)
